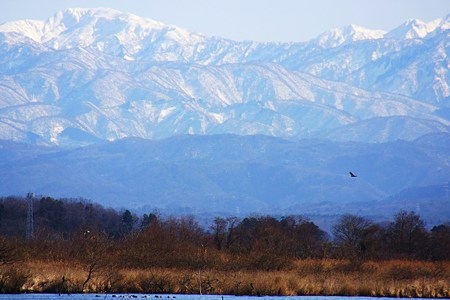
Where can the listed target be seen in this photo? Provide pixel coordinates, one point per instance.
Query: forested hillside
(230, 175)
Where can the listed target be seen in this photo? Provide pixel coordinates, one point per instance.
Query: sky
(258, 20)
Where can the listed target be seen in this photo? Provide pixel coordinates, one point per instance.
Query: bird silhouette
(352, 175)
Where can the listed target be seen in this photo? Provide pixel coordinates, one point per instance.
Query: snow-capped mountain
(85, 75)
(414, 29)
(352, 33)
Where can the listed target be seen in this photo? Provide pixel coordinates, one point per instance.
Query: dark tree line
(58, 217)
(80, 230)
(404, 238)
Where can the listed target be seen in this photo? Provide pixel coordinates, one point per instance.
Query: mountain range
(241, 175)
(133, 113)
(87, 75)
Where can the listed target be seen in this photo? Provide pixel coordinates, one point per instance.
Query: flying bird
(352, 175)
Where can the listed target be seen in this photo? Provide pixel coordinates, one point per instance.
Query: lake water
(171, 297)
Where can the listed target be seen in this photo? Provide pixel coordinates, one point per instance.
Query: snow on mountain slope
(411, 60)
(412, 67)
(420, 70)
(125, 35)
(414, 28)
(92, 74)
(78, 27)
(352, 33)
(381, 129)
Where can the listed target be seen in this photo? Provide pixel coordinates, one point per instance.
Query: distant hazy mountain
(240, 175)
(88, 75)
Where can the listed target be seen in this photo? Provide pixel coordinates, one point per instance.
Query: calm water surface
(171, 297)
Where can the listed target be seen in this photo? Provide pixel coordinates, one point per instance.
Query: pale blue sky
(260, 20)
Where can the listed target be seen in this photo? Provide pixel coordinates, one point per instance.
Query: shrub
(12, 280)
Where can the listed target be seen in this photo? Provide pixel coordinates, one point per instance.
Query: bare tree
(406, 235)
(91, 249)
(224, 231)
(351, 236)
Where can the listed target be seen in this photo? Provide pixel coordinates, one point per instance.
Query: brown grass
(305, 277)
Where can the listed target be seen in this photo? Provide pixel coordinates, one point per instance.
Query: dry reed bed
(306, 277)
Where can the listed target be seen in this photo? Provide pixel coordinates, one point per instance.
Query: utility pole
(29, 234)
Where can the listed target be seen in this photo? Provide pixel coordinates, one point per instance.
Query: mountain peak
(417, 29)
(105, 29)
(71, 16)
(351, 33)
(78, 14)
(92, 24)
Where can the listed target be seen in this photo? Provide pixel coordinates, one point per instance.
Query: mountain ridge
(101, 74)
(410, 29)
(239, 175)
